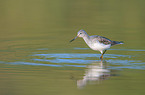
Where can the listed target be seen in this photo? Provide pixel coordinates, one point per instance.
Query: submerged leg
(102, 55)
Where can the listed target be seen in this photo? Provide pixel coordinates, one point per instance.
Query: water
(36, 57)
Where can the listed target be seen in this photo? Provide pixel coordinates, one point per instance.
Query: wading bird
(98, 43)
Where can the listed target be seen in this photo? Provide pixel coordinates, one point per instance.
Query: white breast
(99, 46)
(95, 44)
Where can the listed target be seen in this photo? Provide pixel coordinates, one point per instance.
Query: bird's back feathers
(105, 40)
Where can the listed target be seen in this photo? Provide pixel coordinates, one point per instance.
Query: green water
(36, 57)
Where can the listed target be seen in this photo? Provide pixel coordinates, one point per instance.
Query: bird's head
(81, 33)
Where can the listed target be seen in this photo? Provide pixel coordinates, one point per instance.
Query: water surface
(36, 57)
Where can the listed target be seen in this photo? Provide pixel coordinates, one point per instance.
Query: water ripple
(77, 55)
(80, 60)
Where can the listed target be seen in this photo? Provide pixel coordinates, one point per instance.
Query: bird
(96, 42)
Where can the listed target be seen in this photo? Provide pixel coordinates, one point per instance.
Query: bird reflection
(97, 71)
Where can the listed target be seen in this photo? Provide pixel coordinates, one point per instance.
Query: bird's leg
(102, 55)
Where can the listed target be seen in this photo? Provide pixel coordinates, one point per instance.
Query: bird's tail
(117, 42)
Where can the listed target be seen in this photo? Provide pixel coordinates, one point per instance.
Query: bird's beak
(73, 39)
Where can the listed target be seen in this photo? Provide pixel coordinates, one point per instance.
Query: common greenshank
(98, 43)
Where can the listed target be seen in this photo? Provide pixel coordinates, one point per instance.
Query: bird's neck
(86, 38)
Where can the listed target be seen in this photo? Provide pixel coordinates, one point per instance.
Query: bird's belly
(99, 46)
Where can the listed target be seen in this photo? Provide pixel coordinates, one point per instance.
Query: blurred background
(30, 27)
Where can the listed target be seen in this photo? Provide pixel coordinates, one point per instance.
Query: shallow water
(36, 57)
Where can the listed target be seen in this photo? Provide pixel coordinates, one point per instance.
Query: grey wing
(102, 39)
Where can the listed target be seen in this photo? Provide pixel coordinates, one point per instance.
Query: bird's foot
(101, 57)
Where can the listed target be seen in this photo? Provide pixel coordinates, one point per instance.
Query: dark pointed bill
(73, 39)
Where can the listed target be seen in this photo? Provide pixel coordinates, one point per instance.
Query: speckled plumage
(104, 40)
